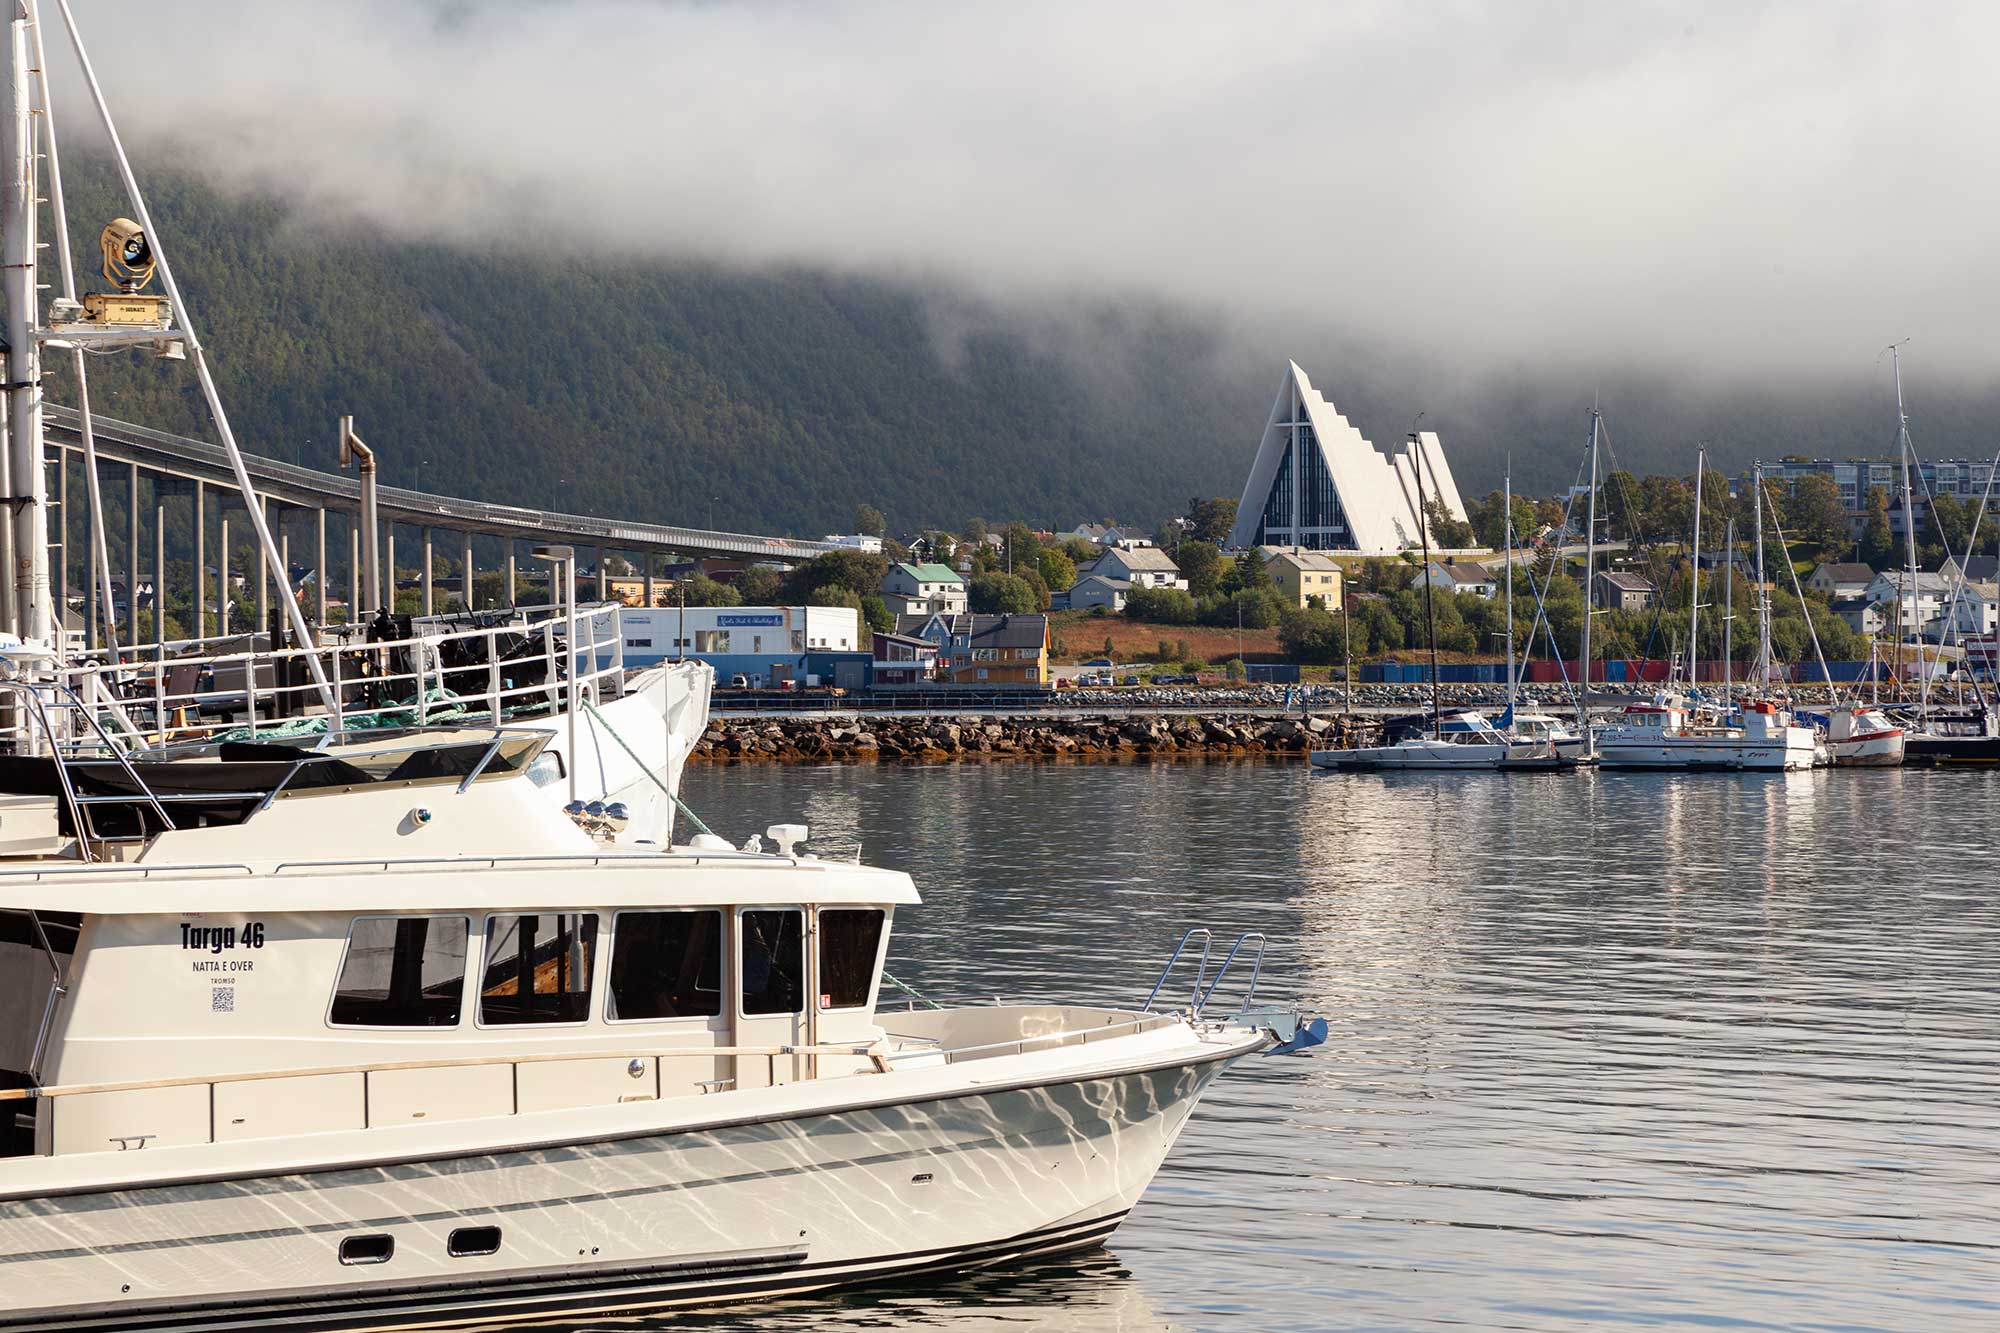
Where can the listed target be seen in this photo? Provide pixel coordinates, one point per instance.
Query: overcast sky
(1757, 187)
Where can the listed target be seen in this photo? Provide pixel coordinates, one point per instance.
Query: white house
(1139, 566)
(856, 541)
(1922, 601)
(1975, 611)
(922, 590)
(1318, 483)
(1460, 576)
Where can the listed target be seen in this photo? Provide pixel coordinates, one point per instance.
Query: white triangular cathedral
(1318, 483)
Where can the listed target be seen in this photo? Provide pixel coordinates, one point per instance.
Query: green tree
(833, 594)
(876, 612)
(1878, 541)
(1211, 520)
(1057, 569)
(869, 521)
(1311, 634)
(702, 590)
(1447, 530)
(759, 585)
(1000, 594)
(1202, 565)
(1160, 606)
(1814, 514)
(861, 572)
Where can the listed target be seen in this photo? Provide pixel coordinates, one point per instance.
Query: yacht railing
(1204, 989)
(445, 671)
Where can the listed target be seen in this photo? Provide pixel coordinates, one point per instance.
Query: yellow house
(1303, 575)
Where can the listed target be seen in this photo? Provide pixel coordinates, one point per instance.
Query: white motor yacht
(402, 1044)
(1672, 732)
(1459, 739)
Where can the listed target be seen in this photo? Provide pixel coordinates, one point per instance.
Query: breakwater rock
(928, 737)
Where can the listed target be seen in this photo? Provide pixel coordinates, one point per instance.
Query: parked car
(1098, 662)
(1128, 680)
(739, 681)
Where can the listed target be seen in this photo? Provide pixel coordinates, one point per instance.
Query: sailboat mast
(1728, 611)
(1903, 451)
(1694, 578)
(1589, 573)
(1430, 591)
(1507, 573)
(1763, 602)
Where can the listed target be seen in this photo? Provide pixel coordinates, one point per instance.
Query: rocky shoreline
(822, 740)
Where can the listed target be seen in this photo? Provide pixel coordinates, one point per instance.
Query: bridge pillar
(511, 598)
(465, 555)
(389, 564)
(200, 559)
(603, 579)
(430, 604)
(646, 583)
(263, 579)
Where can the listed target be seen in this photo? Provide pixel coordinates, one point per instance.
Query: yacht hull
(1412, 755)
(1771, 756)
(1881, 750)
(732, 1212)
(1925, 750)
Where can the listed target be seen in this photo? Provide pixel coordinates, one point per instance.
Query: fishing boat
(405, 1044)
(1863, 736)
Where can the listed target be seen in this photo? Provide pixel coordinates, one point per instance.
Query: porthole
(468, 1242)
(367, 1249)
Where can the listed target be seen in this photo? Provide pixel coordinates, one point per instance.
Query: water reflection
(1092, 1294)
(1619, 1049)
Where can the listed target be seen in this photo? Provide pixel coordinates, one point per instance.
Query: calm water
(1639, 1051)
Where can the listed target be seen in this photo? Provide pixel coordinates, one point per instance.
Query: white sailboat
(1469, 743)
(1681, 731)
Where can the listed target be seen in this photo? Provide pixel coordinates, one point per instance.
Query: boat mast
(1507, 573)
(1430, 607)
(1903, 451)
(1728, 611)
(27, 609)
(1694, 583)
(1589, 571)
(1763, 602)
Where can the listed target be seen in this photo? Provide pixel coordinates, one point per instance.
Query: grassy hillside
(773, 401)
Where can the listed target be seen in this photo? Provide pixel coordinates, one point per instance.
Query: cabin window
(402, 972)
(367, 1250)
(773, 962)
(666, 965)
(849, 942)
(468, 1242)
(538, 968)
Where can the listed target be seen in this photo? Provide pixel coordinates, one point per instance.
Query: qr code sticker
(222, 1000)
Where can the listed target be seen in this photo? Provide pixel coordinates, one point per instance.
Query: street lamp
(565, 557)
